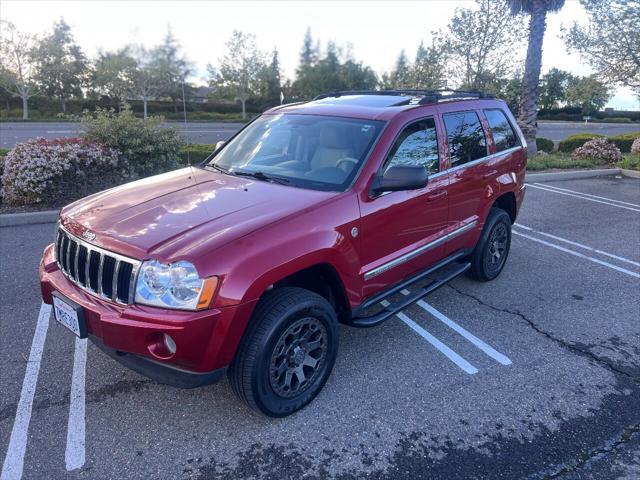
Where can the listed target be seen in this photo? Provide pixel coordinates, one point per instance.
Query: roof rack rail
(426, 96)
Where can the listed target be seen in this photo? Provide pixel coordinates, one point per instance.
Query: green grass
(560, 161)
(630, 162)
(4, 151)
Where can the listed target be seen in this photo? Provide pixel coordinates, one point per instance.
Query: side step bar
(393, 308)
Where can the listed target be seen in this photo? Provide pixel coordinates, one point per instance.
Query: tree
(113, 73)
(240, 70)
(400, 76)
(553, 88)
(18, 60)
(429, 69)
(482, 42)
(610, 41)
(528, 111)
(145, 75)
(588, 93)
(62, 66)
(271, 80)
(173, 68)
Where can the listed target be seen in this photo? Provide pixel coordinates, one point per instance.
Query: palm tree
(537, 11)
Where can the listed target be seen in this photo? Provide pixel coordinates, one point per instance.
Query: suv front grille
(98, 271)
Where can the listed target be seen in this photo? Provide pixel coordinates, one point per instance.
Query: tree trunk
(144, 103)
(25, 107)
(63, 104)
(528, 114)
(244, 111)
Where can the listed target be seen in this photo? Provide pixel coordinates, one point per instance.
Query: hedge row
(623, 141)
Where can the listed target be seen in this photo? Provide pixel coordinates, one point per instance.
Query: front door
(399, 228)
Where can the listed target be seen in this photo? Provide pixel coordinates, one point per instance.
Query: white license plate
(66, 315)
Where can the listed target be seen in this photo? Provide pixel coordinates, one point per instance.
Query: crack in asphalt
(572, 347)
(598, 453)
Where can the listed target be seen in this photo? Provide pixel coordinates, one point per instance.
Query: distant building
(201, 94)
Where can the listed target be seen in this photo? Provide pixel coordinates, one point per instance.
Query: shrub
(635, 147)
(630, 162)
(54, 172)
(195, 153)
(572, 142)
(599, 149)
(147, 145)
(544, 144)
(625, 140)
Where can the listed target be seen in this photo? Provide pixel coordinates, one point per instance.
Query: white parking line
(14, 461)
(450, 354)
(74, 455)
(553, 187)
(576, 244)
(487, 349)
(583, 198)
(578, 254)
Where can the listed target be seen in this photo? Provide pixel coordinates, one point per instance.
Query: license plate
(69, 314)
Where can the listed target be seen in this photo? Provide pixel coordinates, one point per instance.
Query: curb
(573, 174)
(28, 218)
(630, 173)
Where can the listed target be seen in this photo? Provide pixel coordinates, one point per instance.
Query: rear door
(398, 227)
(468, 149)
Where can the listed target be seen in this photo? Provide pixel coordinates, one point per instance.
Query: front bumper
(205, 340)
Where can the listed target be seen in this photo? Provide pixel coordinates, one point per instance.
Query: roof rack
(425, 96)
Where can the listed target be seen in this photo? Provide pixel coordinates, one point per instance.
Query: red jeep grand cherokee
(309, 216)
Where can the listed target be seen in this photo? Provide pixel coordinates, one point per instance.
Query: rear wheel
(287, 353)
(491, 252)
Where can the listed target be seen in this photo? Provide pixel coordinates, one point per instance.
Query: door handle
(436, 195)
(489, 174)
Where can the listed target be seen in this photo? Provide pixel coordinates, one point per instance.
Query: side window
(465, 137)
(503, 134)
(416, 145)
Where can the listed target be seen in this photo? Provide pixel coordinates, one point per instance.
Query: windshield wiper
(261, 176)
(216, 167)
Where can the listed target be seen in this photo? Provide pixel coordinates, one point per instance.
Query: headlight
(176, 285)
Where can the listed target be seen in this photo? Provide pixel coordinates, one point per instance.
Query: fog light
(169, 344)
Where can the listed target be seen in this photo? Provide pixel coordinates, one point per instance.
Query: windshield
(309, 151)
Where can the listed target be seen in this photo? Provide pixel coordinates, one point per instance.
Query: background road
(200, 132)
(537, 374)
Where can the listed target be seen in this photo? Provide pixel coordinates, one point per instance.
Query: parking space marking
(450, 354)
(578, 254)
(14, 460)
(583, 197)
(487, 349)
(553, 187)
(576, 244)
(74, 455)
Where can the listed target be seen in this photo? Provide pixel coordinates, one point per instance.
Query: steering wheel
(346, 160)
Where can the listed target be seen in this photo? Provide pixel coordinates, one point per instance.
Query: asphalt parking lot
(534, 375)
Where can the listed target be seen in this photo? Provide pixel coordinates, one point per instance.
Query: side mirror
(401, 177)
(219, 145)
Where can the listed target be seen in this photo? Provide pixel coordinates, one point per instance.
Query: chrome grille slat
(87, 262)
(100, 268)
(71, 251)
(114, 282)
(75, 264)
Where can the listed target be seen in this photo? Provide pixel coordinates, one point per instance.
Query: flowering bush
(53, 172)
(635, 146)
(598, 149)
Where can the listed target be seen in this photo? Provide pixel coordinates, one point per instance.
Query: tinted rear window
(503, 135)
(465, 137)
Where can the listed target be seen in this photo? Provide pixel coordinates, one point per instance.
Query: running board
(393, 308)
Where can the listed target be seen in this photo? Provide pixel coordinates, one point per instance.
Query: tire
(491, 251)
(289, 330)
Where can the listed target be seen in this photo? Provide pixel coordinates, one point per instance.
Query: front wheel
(491, 252)
(287, 353)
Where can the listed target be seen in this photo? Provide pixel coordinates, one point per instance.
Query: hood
(170, 216)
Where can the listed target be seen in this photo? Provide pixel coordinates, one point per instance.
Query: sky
(375, 31)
